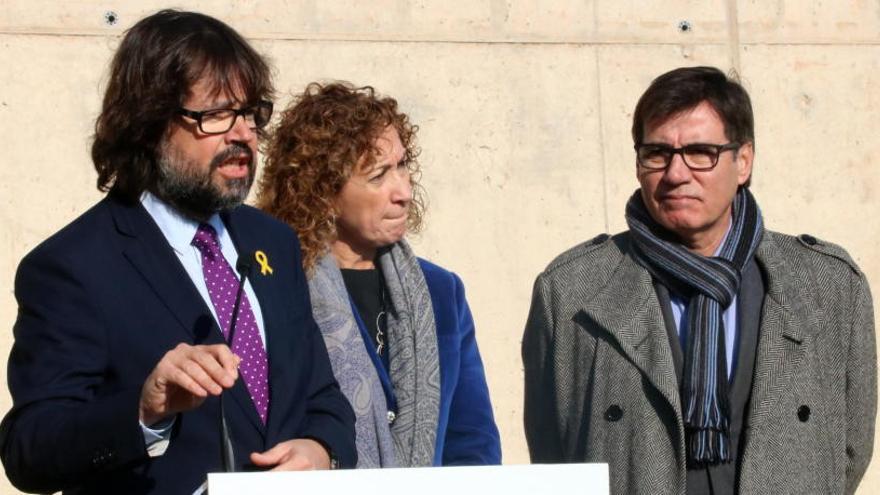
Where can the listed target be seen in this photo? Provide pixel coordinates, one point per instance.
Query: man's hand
(301, 454)
(184, 378)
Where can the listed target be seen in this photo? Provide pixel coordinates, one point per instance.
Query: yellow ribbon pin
(264, 262)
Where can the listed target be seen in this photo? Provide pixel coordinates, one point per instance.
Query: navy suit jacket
(100, 303)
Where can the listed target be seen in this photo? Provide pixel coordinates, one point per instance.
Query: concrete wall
(525, 110)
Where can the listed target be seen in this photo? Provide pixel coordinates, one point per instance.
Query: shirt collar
(723, 239)
(178, 229)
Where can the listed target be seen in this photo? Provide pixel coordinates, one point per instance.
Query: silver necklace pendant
(380, 335)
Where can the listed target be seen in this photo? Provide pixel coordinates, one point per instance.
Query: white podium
(535, 479)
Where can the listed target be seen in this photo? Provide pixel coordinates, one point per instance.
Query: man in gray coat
(697, 352)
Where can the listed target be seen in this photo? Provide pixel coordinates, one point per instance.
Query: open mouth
(235, 168)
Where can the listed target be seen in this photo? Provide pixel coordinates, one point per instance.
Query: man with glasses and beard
(698, 352)
(121, 355)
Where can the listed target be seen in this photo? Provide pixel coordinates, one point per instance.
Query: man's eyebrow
(666, 145)
(221, 105)
(209, 105)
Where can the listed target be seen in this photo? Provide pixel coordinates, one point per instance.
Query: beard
(186, 186)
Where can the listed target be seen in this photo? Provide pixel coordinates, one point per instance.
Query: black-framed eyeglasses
(697, 156)
(221, 120)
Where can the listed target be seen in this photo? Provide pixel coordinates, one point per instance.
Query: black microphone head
(244, 263)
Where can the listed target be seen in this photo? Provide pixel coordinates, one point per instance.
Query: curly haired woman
(341, 169)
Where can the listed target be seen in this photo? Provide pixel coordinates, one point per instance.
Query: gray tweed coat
(600, 383)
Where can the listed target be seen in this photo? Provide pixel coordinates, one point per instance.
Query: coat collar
(628, 309)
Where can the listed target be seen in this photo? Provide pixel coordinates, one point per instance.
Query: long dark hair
(159, 60)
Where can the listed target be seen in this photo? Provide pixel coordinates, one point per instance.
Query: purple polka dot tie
(223, 287)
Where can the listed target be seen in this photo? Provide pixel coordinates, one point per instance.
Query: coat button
(391, 417)
(804, 413)
(613, 413)
(808, 239)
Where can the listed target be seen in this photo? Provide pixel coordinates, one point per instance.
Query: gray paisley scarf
(413, 358)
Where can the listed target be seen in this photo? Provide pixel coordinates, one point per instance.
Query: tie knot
(205, 240)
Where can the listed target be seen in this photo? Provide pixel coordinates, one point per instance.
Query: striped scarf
(710, 283)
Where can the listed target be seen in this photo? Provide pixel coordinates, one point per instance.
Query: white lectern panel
(537, 479)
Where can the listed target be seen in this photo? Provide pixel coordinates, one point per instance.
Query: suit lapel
(155, 260)
(786, 326)
(246, 240)
(151, 255)
(628, 309)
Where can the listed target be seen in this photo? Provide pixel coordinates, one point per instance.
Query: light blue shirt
(729, 316)
(179, 231)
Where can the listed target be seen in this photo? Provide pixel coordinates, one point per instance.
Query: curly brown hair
(322, 136)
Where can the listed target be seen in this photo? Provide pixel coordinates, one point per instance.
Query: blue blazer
(100, 303)
(466, 431)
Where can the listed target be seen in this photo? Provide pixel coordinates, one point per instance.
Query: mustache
(234, 150)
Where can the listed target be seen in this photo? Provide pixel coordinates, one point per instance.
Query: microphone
(243, 267)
